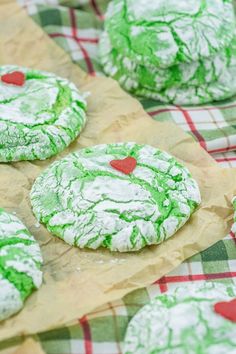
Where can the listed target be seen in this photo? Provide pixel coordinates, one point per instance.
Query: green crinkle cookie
(167, 32)
(134, 77)
(88, 203)
(221, 89)
(40, 118)
(20, 262)
(183, 322)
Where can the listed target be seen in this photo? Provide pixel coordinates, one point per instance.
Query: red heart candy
(226, 309)
(126, 165)
(14, 78)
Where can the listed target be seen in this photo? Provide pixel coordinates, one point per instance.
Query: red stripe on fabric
(73, 22)
(117, 329)
(226, 159)
(87, 335)
(78, 39)
(172, 109)
(233, 147)
(96, 9)
(74, 34)
(233, 236)
(192, 127)
(163, 286)
(163, 110)
(190, 277)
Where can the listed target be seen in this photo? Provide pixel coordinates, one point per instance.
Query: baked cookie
(167, 32)
(186, 83)
(40, 114)
(218, 90)
(120, 196)
(194, 319)
(20, 262)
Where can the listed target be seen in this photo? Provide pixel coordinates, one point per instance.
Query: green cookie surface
(167, 32)
(40, 118)
(88, 203)
(20, 262)
(183, 322)
(223, 88)
(136, 77)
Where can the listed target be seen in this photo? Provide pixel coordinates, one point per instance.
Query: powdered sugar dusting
(20, 260)
(99, 206)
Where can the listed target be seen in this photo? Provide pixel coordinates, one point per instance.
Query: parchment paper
(78, 281)
(30, 347)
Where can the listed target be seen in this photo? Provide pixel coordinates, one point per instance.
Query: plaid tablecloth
(75, 25)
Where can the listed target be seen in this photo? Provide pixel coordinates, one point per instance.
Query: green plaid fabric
(75, 25)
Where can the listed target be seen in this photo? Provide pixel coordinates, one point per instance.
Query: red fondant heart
(226, 309)
(126, 165)
(14, 78)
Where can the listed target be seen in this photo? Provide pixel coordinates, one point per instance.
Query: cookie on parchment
(120, 196)
(193, 319)
(40, 114)
(20, 263)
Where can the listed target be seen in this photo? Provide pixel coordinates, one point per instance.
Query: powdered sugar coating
(20, 263)
(183, 322)
(40, 118)
(10, 299)
(86, 202)
(187, 83)
(165, 33)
